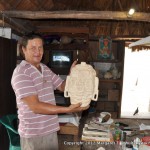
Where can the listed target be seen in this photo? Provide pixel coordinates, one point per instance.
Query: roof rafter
(120, 5)
(6, 5)
(38, 6)
(16, 4)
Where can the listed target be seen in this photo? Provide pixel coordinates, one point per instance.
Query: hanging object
(82, 85)
(5, 32)
(143, 43)
(65, 40)
(105, 51)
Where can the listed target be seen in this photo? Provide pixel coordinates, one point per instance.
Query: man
(34, 84)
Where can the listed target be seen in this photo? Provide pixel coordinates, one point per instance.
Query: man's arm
(62, 86)
(45, 108)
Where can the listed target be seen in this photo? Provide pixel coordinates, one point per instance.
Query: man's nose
(37, 51)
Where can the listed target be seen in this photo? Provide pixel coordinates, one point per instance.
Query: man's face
(34, 51)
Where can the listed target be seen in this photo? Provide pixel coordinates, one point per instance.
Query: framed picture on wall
(105, 50)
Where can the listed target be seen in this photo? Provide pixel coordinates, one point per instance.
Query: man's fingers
(84, 108)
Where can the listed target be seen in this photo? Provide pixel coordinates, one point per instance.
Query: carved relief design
(82, 84)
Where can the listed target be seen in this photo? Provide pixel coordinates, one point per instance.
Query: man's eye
(32, 48)
(40, 47)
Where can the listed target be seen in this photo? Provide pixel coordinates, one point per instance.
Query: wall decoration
(105, 48)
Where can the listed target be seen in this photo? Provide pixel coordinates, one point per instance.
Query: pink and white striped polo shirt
(26, 81)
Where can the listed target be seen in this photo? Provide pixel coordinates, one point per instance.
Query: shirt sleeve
(56, 80)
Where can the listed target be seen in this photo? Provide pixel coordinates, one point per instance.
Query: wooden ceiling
(101, 17)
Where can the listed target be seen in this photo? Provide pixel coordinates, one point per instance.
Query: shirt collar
(24, 62)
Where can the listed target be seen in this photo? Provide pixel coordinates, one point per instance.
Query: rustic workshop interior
(101, 33)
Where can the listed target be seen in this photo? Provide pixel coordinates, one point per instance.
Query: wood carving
(82, 85)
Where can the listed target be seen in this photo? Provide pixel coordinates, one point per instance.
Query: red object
(146, 140)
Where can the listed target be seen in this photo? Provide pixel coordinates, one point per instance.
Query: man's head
(32, 48)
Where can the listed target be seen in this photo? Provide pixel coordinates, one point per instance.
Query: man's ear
(23, 49)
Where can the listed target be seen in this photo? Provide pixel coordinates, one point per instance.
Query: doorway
(136, 84)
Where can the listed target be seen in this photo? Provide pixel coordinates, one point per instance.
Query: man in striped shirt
(34, 84)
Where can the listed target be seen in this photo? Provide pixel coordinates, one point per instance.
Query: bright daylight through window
(136, 84)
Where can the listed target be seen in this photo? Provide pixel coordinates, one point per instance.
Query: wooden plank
(68, 129)
(67, 14)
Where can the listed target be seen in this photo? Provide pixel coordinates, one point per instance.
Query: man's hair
(24, 40)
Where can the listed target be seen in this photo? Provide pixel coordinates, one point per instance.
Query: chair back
(10, 122)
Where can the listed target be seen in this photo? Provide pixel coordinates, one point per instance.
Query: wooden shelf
(106, 102)
(110, 80)
(71, 46)
(78, 41)
(107, 61)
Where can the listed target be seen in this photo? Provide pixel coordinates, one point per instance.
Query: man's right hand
(77, 107)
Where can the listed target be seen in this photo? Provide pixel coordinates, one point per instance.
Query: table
(69, 125)
(89, 145)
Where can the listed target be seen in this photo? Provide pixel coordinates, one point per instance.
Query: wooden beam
(119, 37)
(16, 24)
(104, 15)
